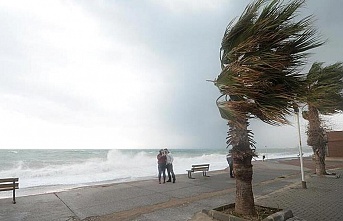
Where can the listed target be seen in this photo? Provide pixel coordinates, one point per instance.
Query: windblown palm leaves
(323, 95)
(260, 56)
(325, 88)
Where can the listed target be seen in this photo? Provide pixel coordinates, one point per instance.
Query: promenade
(275, 184)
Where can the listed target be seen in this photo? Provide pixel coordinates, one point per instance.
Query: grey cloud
(183, 50)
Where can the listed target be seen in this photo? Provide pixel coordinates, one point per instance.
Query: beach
(184, 200)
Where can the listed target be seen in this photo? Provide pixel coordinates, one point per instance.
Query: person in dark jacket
(230, 162)
(162, 162)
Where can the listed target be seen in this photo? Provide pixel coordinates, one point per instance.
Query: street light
(303, 182)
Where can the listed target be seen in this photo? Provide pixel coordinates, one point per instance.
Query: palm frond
(260, 57)
(325, 88)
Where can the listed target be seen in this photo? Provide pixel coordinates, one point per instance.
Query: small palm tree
(260, 57)
(324, 95)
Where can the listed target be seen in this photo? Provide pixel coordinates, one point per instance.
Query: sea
(51, 170)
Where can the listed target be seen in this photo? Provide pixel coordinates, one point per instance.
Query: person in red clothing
(162, 162)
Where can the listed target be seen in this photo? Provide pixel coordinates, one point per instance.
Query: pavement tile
(322, 200)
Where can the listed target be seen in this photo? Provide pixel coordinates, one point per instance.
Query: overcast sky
(127, 74)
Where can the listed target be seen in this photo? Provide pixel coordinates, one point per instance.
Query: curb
(278, 216)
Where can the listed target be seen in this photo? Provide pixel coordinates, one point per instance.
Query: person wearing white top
(170, 169)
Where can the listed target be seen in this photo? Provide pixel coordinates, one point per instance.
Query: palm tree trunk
(316, 140)
(320, 161)
(242, 155)
(244, 203)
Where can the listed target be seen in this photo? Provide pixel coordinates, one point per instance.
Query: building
(335, 144)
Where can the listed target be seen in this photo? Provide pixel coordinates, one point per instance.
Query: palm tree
(260, 56)
(324, 95)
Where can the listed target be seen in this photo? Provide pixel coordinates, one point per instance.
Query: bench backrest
(201, 167)
(9, 184)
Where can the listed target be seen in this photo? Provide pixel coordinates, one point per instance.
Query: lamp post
(303, 182)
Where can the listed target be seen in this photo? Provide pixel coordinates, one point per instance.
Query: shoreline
(309, 165)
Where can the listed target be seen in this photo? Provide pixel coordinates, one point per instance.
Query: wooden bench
(9, 184)
(199, 167)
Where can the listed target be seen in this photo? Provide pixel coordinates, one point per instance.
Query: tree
(323, 95)
(260, 56)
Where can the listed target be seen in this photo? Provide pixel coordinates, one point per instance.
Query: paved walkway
(322, 200)
(276, 184)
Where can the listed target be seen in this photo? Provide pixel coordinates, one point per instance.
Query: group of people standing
(165, 161)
